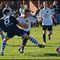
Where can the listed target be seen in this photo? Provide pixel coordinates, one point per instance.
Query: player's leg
(25, 40)
(26, 36)
(2, 35)
(50, 32)
(7, 37)
(21, 49)
(23, 43)
(4, 45)
(44, 34)
(32, 40)
(49, 35)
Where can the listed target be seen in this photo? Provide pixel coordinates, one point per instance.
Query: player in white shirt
(26, 19)
(46, 19)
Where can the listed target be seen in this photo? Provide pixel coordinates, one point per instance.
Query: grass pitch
(31, 50)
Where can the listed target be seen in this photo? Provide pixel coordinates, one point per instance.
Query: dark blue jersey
(8, 23)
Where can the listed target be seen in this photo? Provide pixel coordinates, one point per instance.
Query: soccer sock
(44, 37)
(3, 46)
(2, 36)
(49, 34)
(24, 42)
(34, 41)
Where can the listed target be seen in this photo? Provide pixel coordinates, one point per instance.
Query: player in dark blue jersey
(9, 25)
(1, 15)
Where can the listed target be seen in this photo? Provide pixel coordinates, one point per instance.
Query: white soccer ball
(58, 49)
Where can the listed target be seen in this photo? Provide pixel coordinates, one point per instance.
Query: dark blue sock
(34, 41)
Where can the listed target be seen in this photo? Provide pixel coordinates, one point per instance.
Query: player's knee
(26, 36)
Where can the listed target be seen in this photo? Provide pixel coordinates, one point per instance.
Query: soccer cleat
(41, 46)
(21, 49)
(49, 37)
(44, 43)
(1, 54)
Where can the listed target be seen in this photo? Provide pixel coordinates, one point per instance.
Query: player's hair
(26, 11)
(5, 11)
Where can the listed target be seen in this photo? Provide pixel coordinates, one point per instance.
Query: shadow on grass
(51, 54)
(50, 46)
(53, 43)
(44, 55)
(25, 46)
(29, 45)
(12, 55)
(33, 55)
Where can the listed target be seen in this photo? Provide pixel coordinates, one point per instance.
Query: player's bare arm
(54, 19)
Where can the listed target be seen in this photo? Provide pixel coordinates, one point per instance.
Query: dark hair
(5, 11)
(26, 11)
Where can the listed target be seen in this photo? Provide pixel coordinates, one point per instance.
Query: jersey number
(7, 21)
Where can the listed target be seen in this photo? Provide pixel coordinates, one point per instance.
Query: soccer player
(9, 25)
(46, 18)
(26, 19)
(1, 15)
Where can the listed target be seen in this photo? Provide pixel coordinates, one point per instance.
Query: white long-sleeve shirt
(26, 21)
(46, 15)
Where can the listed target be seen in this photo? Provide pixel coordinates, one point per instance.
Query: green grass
(31, 50)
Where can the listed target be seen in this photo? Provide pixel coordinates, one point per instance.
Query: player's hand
(25, 25)
(40, 21)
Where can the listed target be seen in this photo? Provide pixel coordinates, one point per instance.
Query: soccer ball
(58, 49)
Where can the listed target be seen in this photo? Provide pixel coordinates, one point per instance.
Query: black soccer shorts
(49, 28)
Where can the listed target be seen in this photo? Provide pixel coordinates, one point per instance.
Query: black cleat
(1, 54)
(21, 49)
(41, 46)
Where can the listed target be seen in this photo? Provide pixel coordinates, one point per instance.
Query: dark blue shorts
(18, 32)
(0, 29)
